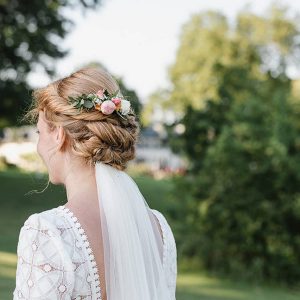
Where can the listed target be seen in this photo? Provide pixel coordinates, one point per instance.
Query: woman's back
(57, 259)
(87, 135)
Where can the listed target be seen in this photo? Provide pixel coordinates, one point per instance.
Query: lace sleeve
(44, 270)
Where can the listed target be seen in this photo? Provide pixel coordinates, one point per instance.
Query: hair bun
(91, 135)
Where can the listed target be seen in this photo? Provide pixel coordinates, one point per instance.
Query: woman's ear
(60, 138)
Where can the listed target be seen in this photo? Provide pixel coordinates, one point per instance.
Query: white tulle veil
(132, 241)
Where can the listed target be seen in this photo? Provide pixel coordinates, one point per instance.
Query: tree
(239, 201)
(263, 43)
(30, 35)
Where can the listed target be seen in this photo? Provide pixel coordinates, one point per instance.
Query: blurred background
(216, 86)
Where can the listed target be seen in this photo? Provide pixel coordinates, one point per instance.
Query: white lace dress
(55, 260)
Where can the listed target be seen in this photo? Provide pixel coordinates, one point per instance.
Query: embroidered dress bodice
(56, 261)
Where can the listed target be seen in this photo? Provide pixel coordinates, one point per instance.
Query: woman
(105, 242)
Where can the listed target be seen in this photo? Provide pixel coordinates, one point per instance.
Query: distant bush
(139, 169)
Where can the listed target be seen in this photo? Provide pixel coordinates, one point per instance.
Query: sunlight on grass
(8, 263)
(206, 288)
(194, 286)
(8, 258)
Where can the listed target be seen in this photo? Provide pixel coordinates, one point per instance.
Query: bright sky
(138, 39)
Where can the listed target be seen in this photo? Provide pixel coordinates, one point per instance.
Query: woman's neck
(80, 184)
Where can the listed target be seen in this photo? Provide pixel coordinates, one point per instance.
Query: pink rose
(100, 94)
(107, 107)
(116, 101)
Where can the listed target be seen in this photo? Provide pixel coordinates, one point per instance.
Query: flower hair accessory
(103, 102)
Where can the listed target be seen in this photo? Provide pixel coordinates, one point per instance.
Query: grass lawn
(16, 207)
(192, 286)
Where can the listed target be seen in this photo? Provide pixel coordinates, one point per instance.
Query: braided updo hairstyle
(91, 135)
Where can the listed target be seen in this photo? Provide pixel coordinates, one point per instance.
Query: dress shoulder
(169, 253)
(44, 269)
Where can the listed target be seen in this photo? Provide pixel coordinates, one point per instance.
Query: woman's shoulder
(167, 232)
(170, 251)
(162, 219)
(45, 220)
(43, 232)
(43, 261)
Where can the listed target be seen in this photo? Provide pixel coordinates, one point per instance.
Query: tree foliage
(261, 43)
(239, 203)
(30, 37)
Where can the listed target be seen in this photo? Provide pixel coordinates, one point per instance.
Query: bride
(105, 242)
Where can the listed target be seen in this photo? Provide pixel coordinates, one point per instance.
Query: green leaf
(90, 97)
(119, 114)
(106, 93)
(114, 94)
(88, 104)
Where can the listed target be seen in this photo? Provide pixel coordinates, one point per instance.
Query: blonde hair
(90, 135)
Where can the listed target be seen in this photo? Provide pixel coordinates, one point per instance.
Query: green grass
(192, 286)
(7, 274)
(16, 207)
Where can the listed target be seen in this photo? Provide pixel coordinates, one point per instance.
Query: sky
(137, 39)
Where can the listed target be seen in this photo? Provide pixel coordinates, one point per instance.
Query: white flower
(125, 107)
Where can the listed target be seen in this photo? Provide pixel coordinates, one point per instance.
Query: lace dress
(55, 260)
